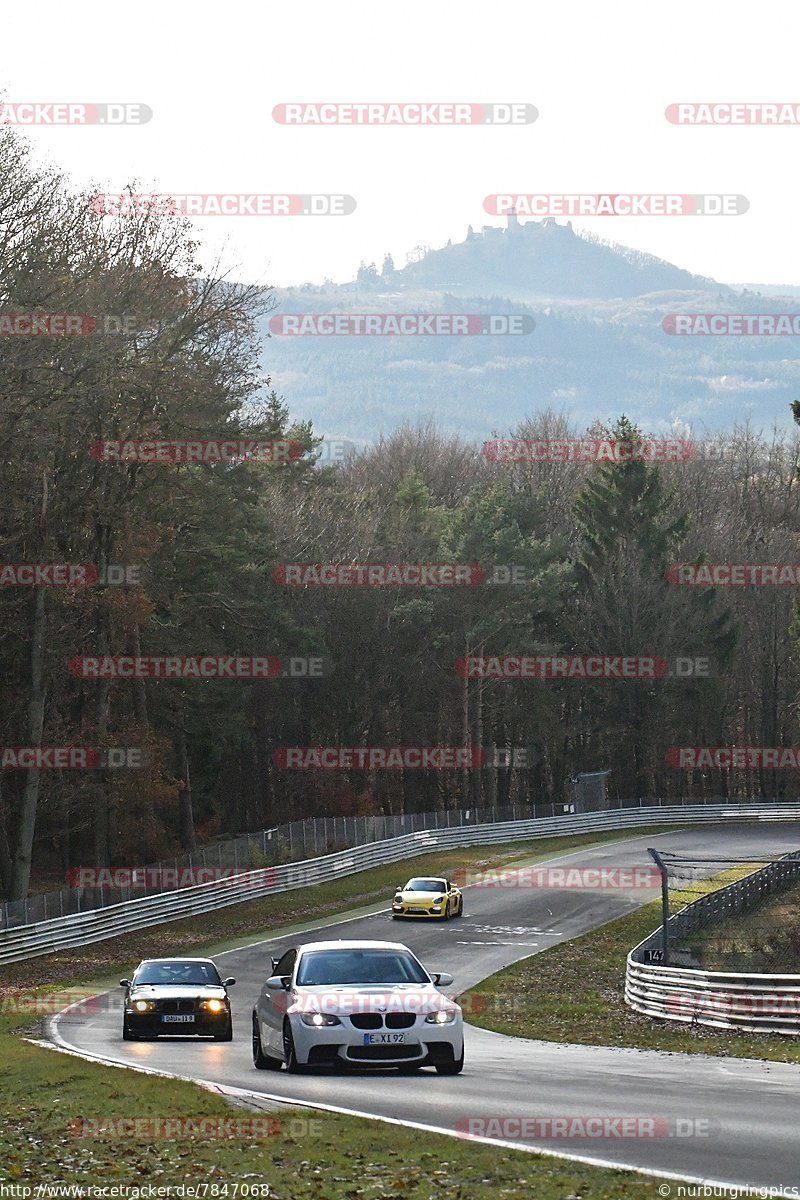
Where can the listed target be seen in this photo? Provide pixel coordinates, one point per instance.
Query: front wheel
(451, 1068)
(289, 1052)
(226, 1035)
(262, 1061)
(446, 913)
(127, 1036)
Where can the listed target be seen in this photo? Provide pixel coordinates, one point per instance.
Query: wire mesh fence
(93, 888)
(729, 914)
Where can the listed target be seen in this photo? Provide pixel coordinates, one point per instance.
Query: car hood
(423, 897)
(171, 991)
(368, 998)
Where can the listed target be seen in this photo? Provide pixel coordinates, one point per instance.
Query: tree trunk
(188, 839)
(5, 850)
(465, 737)
(21, 870)
(102, 846)
(139, 691)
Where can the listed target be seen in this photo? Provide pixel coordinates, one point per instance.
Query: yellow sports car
(420, 897)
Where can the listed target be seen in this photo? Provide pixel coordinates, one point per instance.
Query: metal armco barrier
(727, 1000)
(80, 929)
(769, 1003)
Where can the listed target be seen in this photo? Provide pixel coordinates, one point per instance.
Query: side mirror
(442, 978)
(228, 982)
(125, 983)
(277, 983)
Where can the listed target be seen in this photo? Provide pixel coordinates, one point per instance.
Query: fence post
(658, 860)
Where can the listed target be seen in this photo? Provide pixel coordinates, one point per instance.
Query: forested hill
(539, 258)
(598, 346)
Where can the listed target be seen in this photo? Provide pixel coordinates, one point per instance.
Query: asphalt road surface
(749, 1108)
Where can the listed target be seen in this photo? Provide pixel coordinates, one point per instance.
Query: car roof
(435, 878)
(147, 961)
(353, 945)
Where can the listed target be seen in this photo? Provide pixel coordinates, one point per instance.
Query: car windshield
(425, 885)
(321, 968)
(178, 973)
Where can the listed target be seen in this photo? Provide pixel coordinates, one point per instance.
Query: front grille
(175, 1006)
(367, 1021)
(400, 1020)
(383, 1053)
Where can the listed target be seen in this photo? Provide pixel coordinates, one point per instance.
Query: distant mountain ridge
(599, 346)
(544, 258)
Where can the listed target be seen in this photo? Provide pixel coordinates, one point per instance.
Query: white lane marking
(323, 924)
(290, 1102)
(497, 943)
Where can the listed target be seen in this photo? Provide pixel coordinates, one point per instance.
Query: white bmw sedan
(362, 1004)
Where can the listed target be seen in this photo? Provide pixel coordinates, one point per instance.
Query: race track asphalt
(751, 1108)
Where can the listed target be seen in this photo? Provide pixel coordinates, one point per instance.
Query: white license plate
(178, 1020)
(383, 1039)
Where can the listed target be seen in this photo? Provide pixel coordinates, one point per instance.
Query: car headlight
(214, 1006)
(319, 1019)
(439, 901)
(443, 1016)
(143, 1005)
(398, 898)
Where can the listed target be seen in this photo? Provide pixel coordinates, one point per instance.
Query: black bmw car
(177, 995)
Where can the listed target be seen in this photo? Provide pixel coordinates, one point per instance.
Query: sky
(600, 76)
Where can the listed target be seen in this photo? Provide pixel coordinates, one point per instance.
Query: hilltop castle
(514, 227)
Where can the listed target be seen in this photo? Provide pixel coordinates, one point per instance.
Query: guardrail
(62, 933)
(769, 1003)
(292, 842)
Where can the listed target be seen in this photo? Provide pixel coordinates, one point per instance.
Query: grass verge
(575, 993)
(766, 939)
(306, 1155)
(309, 1155)
(239, 923)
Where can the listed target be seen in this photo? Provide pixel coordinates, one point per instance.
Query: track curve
(751, 1105)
